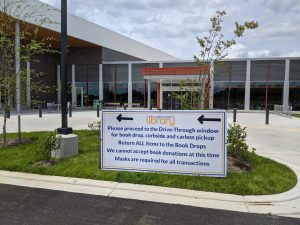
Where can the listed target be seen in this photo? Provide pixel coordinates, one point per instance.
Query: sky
(173, 25)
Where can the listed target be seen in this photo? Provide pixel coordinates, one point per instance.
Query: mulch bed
(234, 165)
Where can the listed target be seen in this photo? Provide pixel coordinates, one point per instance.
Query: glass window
(80, 73)
(267, 70)
(109, 92)
(229, 95)
(220, 95)
(153, 94)
(137, 69)
(93, 73)
(121, 73)
(221, 71)
(138, 93)
(230, 71)
(115, 92)
(294, 98)
(122, 93)
(264, 95)
(237, 95)
(137, 72)
(81, 84)
(108, 73)
(238, 70)
(93, 92)
(295, 70)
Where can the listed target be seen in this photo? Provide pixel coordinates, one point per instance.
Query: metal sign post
(63, 71)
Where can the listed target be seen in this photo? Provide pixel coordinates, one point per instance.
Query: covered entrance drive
(172, 85)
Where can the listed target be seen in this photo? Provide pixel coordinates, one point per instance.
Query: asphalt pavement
(32, 206)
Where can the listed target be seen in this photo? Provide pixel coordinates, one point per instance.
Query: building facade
(247, 84)
(107, 66)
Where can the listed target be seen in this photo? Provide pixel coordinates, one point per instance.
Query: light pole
(63, 71)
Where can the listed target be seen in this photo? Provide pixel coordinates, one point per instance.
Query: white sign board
(180, 142)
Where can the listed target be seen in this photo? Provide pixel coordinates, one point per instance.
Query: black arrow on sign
(201, 119)
(120, 118)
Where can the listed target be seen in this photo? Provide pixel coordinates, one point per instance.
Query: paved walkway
(280, 141)
(50, 121)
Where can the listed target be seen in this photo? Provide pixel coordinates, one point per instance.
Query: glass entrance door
(170, 101)
(79, 97)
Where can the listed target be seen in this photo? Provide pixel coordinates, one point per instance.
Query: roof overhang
(175, 73)
(94, 34)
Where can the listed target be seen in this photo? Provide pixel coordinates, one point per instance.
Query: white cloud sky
(172, 25)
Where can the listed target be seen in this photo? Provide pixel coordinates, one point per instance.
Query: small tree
(31, 46)
(214, 47)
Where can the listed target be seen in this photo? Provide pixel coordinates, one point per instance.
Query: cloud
(237, 51)
(172, 25)
(259, 53)
(291, 54)
(282, 6)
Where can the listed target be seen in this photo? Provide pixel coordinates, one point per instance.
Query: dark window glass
(115, 73)
(220, 95)
(108, 73)
(230, 71)
(138, 93)
(108, 92)
(93, 73)
(137, 72)
(294, 98)
(221, 71)
(237, 95)
(238, 71)
(153, 95)
(115, 92)
(122, 93)
(229, 95)
(121, 73)
(80, 72)
(93, 92)
(267, 70)
(137, 75)
(81, 84)
(115, 83)
(264, 94)
(294, 70)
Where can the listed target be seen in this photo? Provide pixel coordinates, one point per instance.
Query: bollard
(70, 110)
(234, 115)
(40, 112)
(267, 116)
(8, 114)
(98, 109)
(19, 128)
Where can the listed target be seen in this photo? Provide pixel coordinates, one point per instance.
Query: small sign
(179, 142)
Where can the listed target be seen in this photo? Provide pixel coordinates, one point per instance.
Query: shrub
(238, 148)
(46, 145)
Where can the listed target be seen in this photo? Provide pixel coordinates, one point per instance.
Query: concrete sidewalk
(50, 121)
(279, 141)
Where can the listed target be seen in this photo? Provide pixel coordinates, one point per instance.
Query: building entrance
(171, 101)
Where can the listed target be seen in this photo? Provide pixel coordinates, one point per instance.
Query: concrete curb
(284, 204)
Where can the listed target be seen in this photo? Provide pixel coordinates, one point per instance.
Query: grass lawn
(269, 177)
(296, 115)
